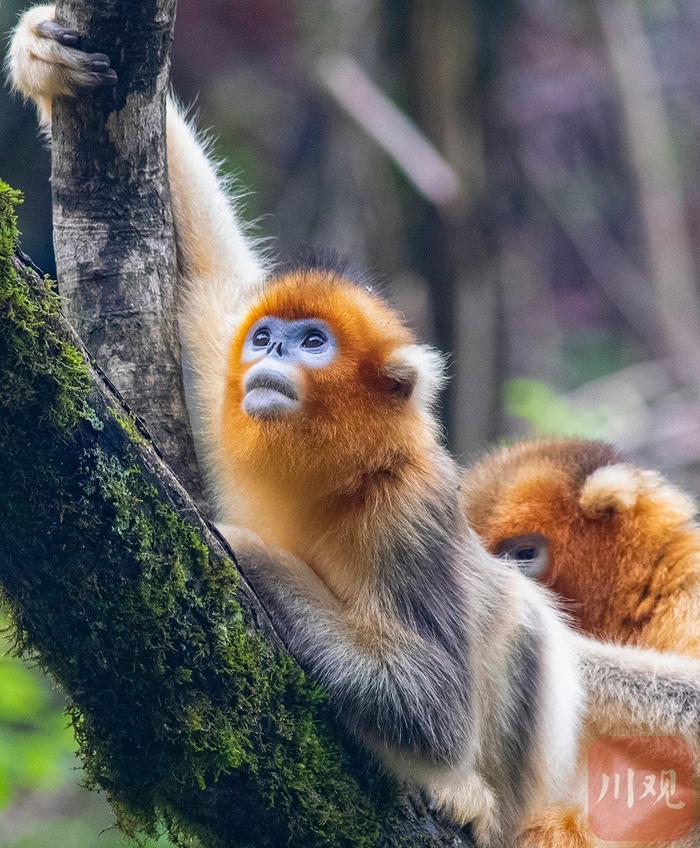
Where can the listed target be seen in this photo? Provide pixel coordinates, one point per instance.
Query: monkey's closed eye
(530, 552)
(262, 337)
(314, 340)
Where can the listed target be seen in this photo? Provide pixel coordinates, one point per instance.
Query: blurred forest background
(523, 175)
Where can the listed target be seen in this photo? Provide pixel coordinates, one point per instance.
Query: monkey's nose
(279, 349)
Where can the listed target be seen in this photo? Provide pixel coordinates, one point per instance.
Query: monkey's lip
(269, 395)
(272, 382)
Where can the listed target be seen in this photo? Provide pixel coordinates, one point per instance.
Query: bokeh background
(523, 176)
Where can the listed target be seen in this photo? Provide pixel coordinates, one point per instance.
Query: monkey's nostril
(280, 349)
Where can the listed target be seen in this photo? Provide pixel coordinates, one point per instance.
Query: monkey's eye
(314, 340)
(529, 552)
(526, 553)
(262, 337)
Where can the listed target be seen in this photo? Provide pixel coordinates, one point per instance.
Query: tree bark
(187, 708)
(113, 228)
(454, 254)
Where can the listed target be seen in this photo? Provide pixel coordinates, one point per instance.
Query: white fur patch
(611, 487)
(621, 487)
(429, 365)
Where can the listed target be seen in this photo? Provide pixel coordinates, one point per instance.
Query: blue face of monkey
(279, 349)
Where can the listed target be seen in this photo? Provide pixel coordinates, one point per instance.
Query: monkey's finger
(109, 77)
(98, 62)
(96, 80)
(59, 33)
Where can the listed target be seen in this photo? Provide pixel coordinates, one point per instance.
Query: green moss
(60, 382)
(127, 421)
(185, 713)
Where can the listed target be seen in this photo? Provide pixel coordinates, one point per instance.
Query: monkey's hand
(45, 61)
(623, 488)
(279, 578)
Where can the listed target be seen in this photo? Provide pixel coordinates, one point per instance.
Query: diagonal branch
(188, 710)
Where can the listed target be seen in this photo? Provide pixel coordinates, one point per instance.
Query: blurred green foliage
(42, 804)
(36, 744)
(551, 414)
(586, 354)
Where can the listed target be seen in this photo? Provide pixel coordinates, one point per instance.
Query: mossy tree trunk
(188, 710)
(113, 227)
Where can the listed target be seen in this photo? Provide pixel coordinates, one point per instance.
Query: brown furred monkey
(314, 409)
(618, 543)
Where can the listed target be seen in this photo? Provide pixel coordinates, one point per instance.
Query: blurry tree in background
(533, 207)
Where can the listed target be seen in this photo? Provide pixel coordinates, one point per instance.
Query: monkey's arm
(220, 272)
(219, 266)
(390, 684)
(44, 62)
(635, 688)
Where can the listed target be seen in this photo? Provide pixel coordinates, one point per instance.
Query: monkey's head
(325, 382)
(576, 517)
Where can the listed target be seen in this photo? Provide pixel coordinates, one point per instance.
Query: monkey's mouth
(269, 394)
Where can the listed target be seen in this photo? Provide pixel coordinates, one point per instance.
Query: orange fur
(627, 564)
(624, 555)
(323, 477)
(358, 471)
(556, 828)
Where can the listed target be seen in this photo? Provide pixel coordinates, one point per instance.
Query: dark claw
(109, 77)
(61, 34)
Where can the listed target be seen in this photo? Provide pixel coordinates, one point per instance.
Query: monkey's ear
(415, 371)
(399, 377)
(622, 487)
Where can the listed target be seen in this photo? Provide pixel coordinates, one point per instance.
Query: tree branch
(188, 710)
(113, 228)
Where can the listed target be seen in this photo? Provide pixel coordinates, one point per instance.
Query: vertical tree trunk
(113, 229)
